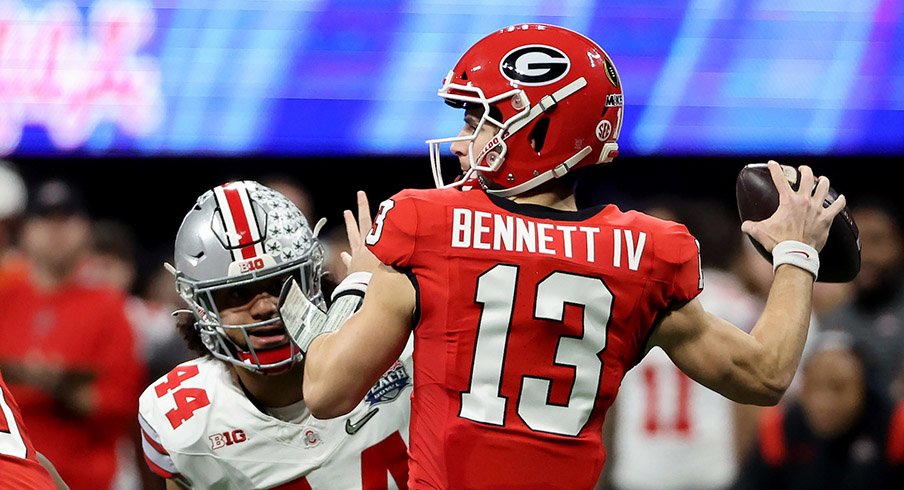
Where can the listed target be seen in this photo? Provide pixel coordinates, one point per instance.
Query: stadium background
(153, 194)
(144, 104)
(147, 103)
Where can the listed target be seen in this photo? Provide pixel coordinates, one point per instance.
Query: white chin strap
(545, 104)
(560, 170)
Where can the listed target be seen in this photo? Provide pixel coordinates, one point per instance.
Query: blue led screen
(344, 77)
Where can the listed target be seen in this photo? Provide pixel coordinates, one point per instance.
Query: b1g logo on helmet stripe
(535, 64)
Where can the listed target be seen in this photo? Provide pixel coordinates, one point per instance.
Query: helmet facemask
(491, 157)
(202, 300)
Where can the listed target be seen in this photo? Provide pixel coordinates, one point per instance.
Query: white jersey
(199, 428)
(669, 431)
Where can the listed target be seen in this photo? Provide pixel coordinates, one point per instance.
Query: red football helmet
(554, 96)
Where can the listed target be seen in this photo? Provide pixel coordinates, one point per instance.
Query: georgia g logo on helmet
(534, 64)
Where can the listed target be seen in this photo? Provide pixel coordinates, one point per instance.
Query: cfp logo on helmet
(611, 73)
(535, 64)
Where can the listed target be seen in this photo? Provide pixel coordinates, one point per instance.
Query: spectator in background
(13, 197)
(875, 312)
(112, 259)
(842, 433)
(668, 431)
(113, 262)
(827, 296)
(67, 350)
(158, 287)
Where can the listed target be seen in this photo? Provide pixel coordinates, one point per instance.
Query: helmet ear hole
(537, 135)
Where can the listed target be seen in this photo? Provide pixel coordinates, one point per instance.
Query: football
(757, 199)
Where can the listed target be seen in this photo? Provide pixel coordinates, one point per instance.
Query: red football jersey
(19, 467)
(528, 318)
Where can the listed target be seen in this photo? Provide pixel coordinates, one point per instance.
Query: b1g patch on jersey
(227, 438)
(389, 386)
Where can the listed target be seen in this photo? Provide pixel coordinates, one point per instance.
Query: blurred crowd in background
(82, 333)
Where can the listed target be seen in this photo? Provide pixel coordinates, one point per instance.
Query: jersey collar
(544, 212)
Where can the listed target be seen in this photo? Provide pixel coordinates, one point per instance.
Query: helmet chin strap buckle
(547, 103)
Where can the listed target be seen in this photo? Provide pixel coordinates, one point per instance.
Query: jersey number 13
(496, 293)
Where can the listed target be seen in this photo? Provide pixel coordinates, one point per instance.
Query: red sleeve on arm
(391, 238)
(683, 252)
(155, 455)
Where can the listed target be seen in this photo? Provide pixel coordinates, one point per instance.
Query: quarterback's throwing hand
(801, 215)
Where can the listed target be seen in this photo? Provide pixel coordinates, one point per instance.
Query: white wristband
(342, 308)
(356, 281)
(797, 254)
(304, 320)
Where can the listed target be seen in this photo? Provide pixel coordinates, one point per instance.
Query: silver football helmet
(240, 237)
